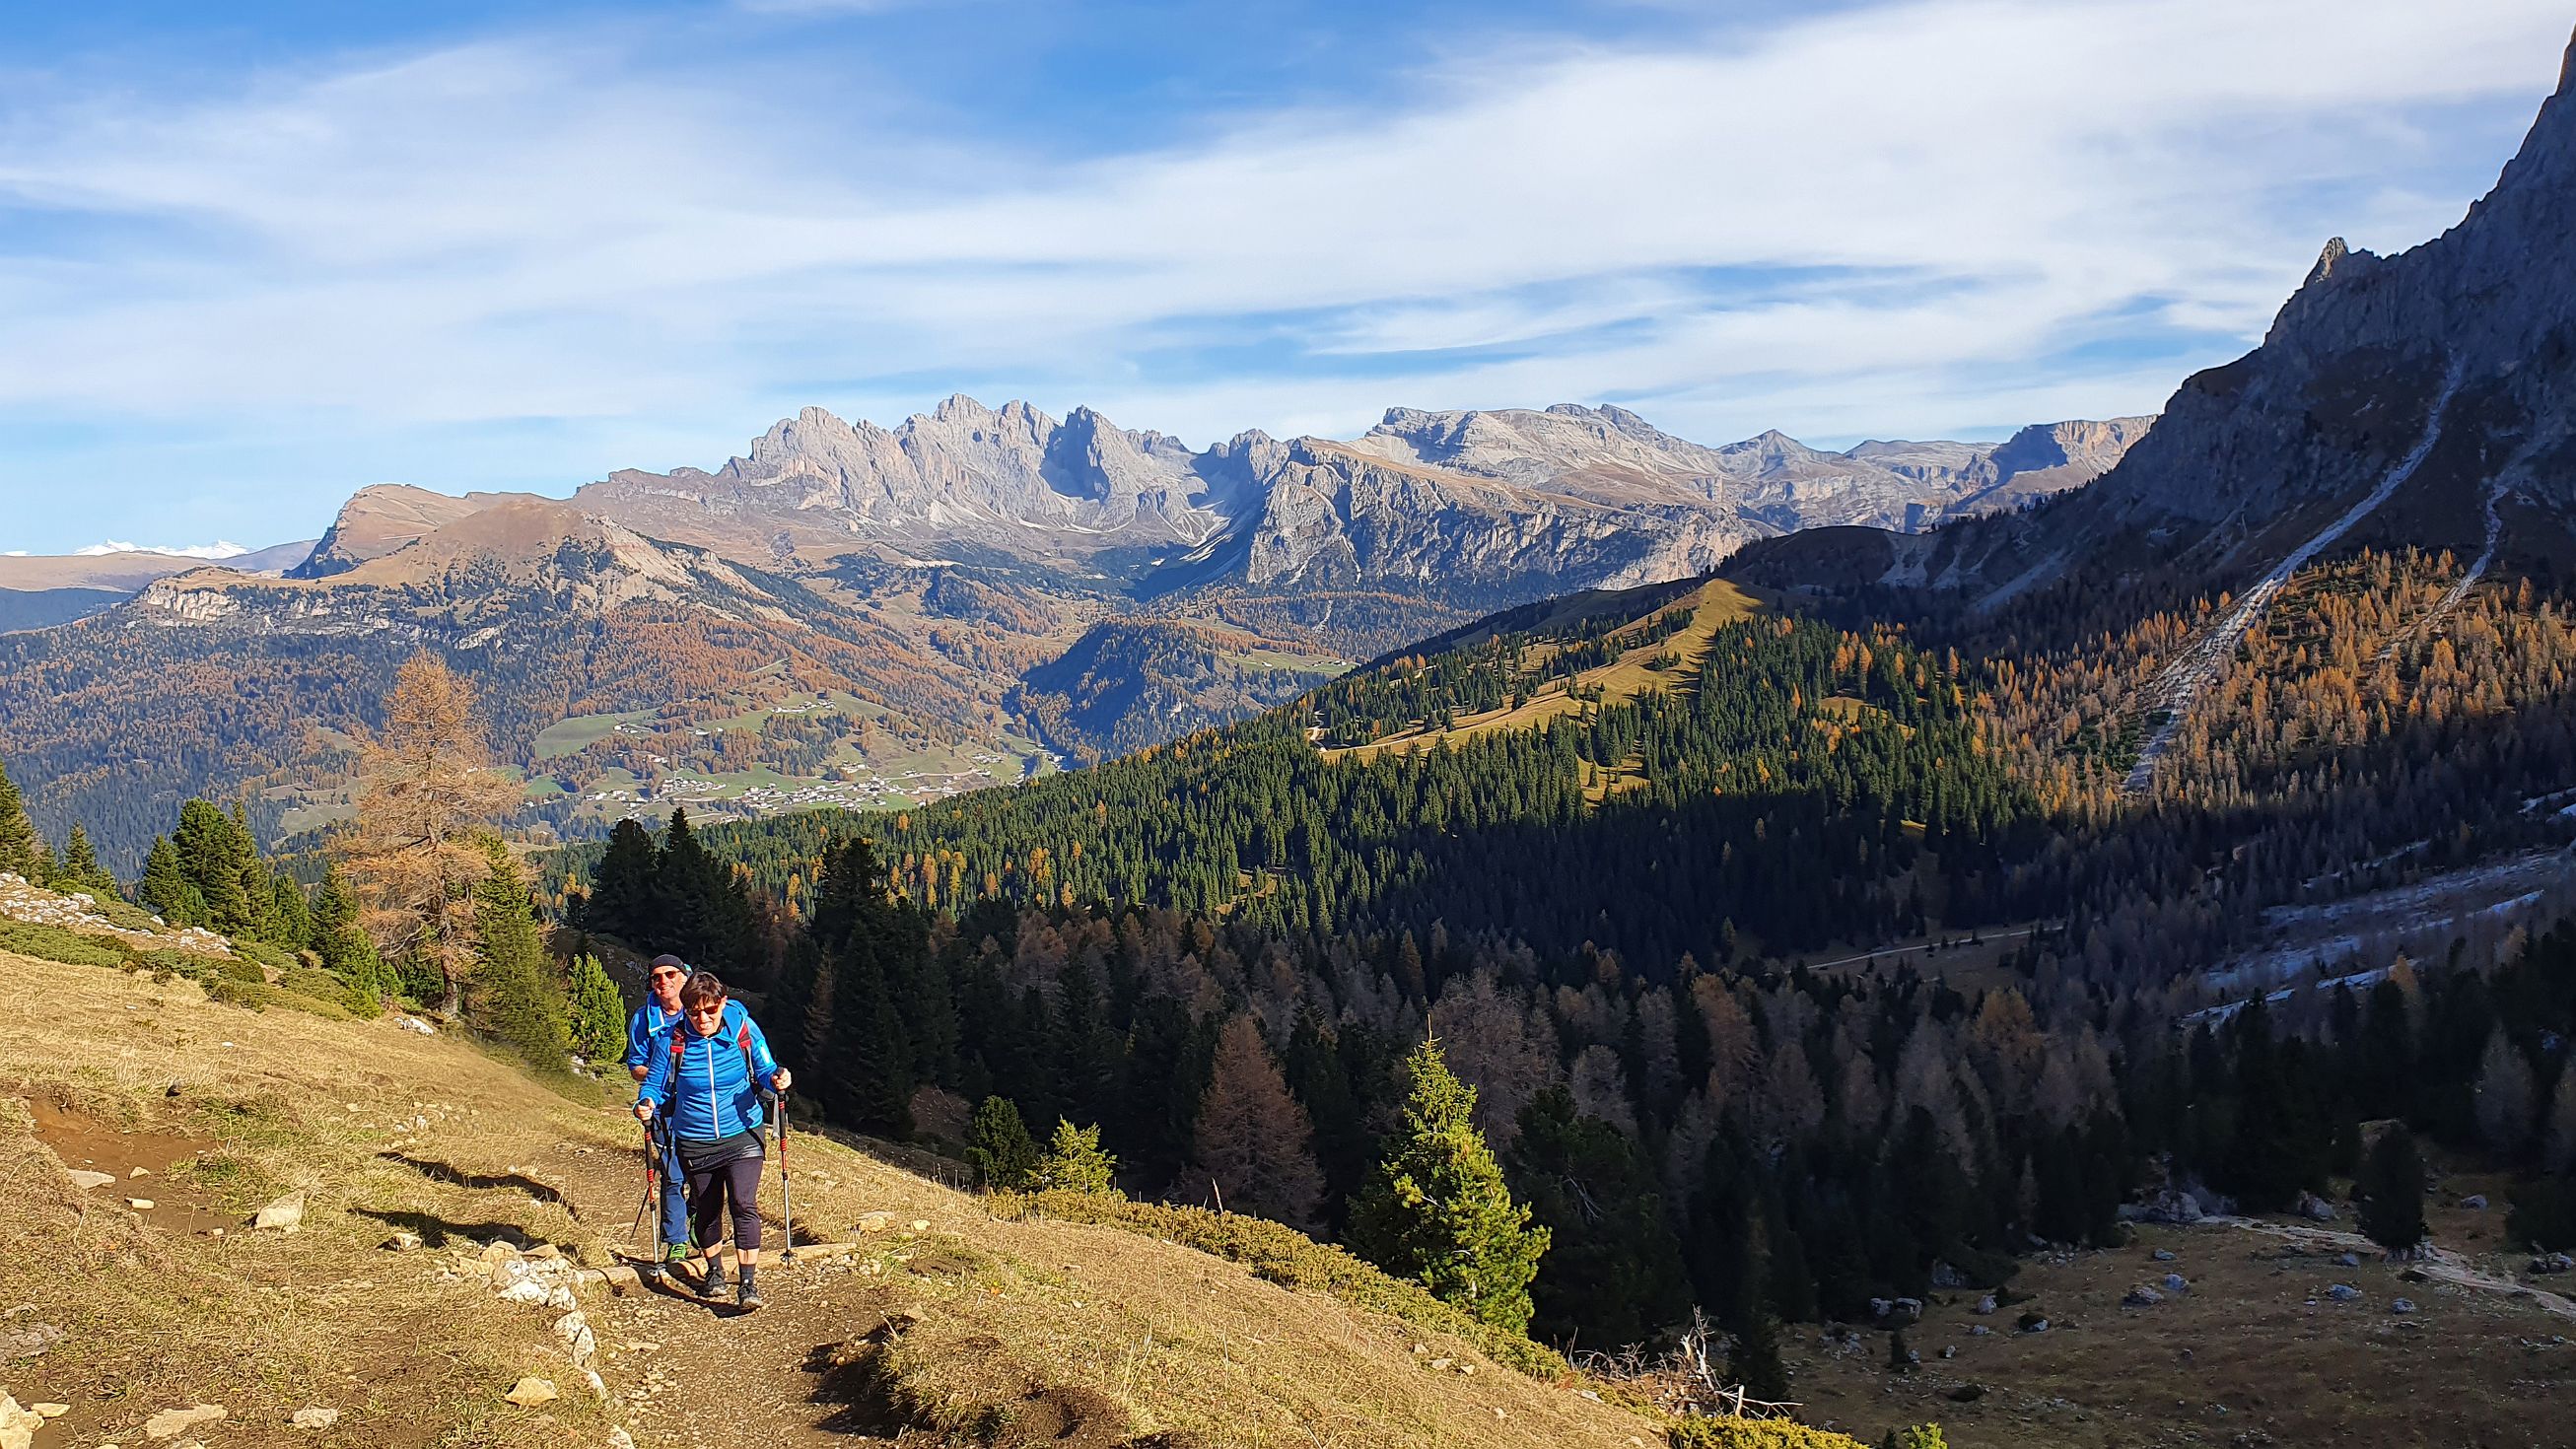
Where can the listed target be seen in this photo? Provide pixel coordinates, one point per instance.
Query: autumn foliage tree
(425, 784)
(1252, 1139)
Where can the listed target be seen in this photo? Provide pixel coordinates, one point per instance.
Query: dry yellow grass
(1717, 603)
(384, 1128)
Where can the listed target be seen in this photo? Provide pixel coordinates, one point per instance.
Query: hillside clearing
(1660, 665)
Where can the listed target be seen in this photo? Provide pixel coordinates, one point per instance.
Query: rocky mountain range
(852, 613)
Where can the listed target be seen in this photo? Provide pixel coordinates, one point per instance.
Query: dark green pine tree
(999, 1148)
(514, 995)
(215, 857)
(623, 891)
(22, 851)
(1753, 1361)
(165, 889)
(1440, 1212)
(2392, 1191)
(598, 1012)
(686, 880)
(80, 870)
(1613, 1273)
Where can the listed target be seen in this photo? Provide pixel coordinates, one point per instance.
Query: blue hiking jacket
(711, 1088)
(650, 1021)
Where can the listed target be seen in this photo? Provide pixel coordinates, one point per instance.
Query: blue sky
(256, 256)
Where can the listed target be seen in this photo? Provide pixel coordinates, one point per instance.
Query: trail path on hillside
(2205, 658)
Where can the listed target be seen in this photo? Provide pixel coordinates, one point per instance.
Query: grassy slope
(1632, 673)
(1125, 1335)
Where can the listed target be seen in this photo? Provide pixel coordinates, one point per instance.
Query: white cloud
(1903, 218)
(194, 550)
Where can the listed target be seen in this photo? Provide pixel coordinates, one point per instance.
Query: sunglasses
(707, 1011)
(666, 974)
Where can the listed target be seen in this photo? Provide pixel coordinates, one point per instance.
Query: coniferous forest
(1828, 965)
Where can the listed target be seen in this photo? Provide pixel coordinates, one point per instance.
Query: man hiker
(704, 1078)
(655, 1019)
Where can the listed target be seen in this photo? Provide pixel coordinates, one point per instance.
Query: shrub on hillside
(1288, 1258)
(1698, 1432)
(276, 958)
(55, 943)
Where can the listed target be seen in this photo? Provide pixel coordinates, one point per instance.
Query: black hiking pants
(734, 1184)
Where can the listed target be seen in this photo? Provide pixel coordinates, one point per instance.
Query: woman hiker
(655, 1018)
(705, 1077)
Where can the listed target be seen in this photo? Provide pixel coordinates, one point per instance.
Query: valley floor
(2254, 1351)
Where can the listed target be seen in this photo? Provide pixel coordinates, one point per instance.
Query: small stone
(50, 1411)
(2175, 1283)
(529, 1291)
(530, 1392)
(86, 1180)
(620, 1439)
(2401, 1305)
(315, 1418)
(2141, 1296)
(2475, 1202)
(405, 1241)
(1985, 1304)
(598, 1385)
(560, 1298)
(875, 1223)
(139, 1204)
(171, 1423)
(2343, 1293)
(921, 1225)
(2163, 1255)
(1441, 1363)
(621, 1279)
(140, 1172)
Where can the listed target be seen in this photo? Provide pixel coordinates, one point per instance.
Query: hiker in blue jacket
(704, 1078)
(655, 1018)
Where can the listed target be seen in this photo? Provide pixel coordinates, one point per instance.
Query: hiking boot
(748, 1299)
(712, 1283)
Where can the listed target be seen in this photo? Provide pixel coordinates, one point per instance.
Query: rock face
(1012, 478)
(2468, 341)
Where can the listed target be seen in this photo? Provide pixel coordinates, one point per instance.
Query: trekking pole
(786, 1186)
(652, 1207)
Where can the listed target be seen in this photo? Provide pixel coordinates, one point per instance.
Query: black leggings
(738, 1180)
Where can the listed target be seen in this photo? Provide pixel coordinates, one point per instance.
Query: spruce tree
(22, 851)
(515, 997)
(998, 1146)
(80, 868)
(1074, 1162)
(622, 893)
(1439, 1211)
(1613, 1274)
(165, 889)
(1753, 1361)
(598, 1012)
(2392, 1192)
(215, 857)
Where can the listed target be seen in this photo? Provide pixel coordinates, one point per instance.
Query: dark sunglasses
(668, 973)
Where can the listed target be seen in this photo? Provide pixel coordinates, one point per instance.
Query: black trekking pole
(786, 1188)
(652, 1207)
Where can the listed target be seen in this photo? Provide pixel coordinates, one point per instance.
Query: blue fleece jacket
(711, 1089)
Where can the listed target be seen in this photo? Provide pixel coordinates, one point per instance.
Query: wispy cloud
(1912, 218)
(194, 550)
